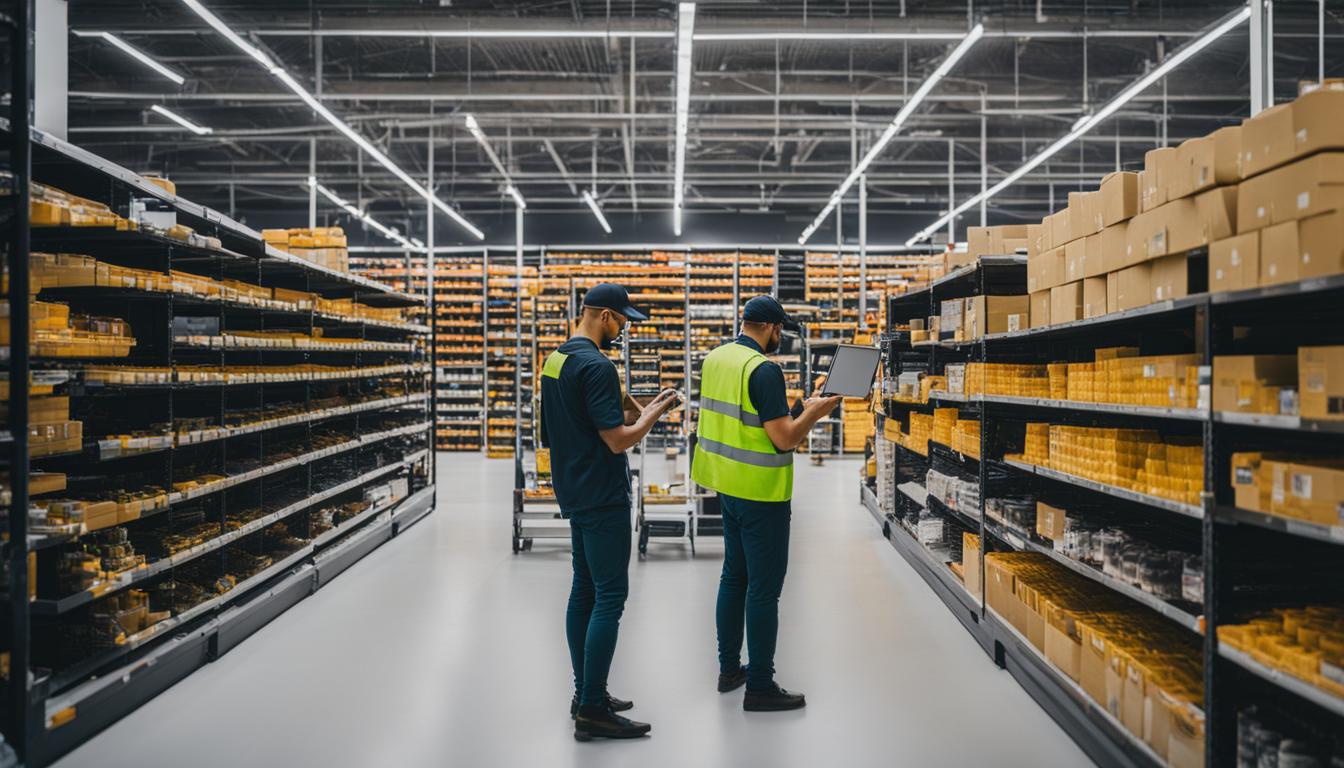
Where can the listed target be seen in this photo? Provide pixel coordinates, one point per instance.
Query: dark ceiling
(774, 123)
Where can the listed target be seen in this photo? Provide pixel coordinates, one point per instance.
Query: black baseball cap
(766, 309)
(614, 297)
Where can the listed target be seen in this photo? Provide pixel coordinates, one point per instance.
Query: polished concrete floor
(443, 648)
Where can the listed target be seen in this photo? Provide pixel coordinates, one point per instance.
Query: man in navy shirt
(588, 431)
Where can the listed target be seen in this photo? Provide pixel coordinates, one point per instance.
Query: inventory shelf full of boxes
(1118, 459)
(217, 424)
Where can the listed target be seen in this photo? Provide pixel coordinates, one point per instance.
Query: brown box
(1049, 521)
(1118, 197)
(1066, 303)
(1033, 241)
(1075, 254)
(1094, 296)
(1305, 188)
(951, 315)
(1279, 254)
(1158, 166)
(978, 242)
(1117, 666)
(1250, 486)
(1267, 140)
(1112, 241)
(1236, 377)
(996, 314)
(1046, 234)
(1063, 651)
(956, 258)
(1234, 263)
(1084, 213)
(1320, 242)
(1092, 665)
(1316, 122)
(1046, 271)
(1135, 694)
(1185, 746)
(1059, 228)
(1040, 308)
(1210, 161)
(1093, 261)
(1134, 287)
(1112, 292)
(1320, 374)
(1311, 492)
(970, 564)
(1172, 279)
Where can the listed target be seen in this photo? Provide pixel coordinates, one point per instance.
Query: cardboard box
(1117, 666)
(951, 315)
(1158, 166)
(1134, 287)
(1059, 229)
(1267, 140)
(1118, 197)
(1112, 241)
(1112, 292)
(1236, 377)
(1320, 373)
(1066, 303)
(1248, 490)
(1135, 694)
(1093, 262)
(1279, 254)
(1316, 122)
(1033, 241)
(1046, 234)
(1040, 308)
(1185, 747)
(1310, 186)
(1234, 263)
(1177, 276)
(996, 314)
(1046, 271)
(1209, 161)
(1075, 254)
(1084, 214)
(1092, 663)
(1049, 521)
(1311, 492)
(1320, 242)
(1094, 297)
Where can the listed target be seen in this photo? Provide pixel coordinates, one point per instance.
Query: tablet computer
(852, 371)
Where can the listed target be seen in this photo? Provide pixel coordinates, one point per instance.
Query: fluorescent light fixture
(721, 37)
(284, 77)
(199, 130)
(134, 53)
(1088, 122)
(372, 223)
(479, 135)
(597, 211)
(911, 104)
(685, 30)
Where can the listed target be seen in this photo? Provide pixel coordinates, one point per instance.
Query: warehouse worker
(744, 450)
(588, 430)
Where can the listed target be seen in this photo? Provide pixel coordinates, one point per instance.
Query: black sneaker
(613, 703)
(601, 723)
(772, 699)
(733, 680)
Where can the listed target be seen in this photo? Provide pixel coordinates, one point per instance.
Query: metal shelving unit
(364, 425)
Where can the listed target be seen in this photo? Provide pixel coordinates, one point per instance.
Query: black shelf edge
(1333, 534)
(1187, 510)
(1300, 688)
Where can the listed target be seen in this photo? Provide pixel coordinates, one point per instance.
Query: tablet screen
(852, 371)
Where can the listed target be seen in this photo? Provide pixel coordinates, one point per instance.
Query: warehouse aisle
(443, 648)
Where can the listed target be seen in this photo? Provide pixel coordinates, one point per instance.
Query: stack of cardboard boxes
(1132, 662)
(857, 416)
(1309, 384)
(54, 332)
(1306, 643)
(1265, 197)
(324, 246)
(1140, 460)
(1298, 487)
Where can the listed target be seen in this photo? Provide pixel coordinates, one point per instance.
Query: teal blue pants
(600, 541)
(755, 558)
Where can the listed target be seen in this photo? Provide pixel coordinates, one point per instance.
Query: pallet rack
(256, 472)
(1251, 561)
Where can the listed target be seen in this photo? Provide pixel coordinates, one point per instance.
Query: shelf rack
(329, 440)
(1249, 558)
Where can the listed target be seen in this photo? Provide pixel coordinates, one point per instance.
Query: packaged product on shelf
(1234, 263)
(1066, 303)
(1320, 373)
(1304, 642)
(1040, 308)
(1252, 383)
(995, 314)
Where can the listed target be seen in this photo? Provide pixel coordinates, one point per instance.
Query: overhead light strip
(199, 130)
(284, 77)
(1086, 123)
(134, 53)
(967, 42)
(685, 30)
(509, 187)
(372, 223)
(597, 211)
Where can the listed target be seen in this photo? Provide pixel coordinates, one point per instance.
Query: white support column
(429, 261)
(518, 332)
(312, 183)
(984, 163)
(951, 190)
(1262, 55)
(51, 67)
(863, 251)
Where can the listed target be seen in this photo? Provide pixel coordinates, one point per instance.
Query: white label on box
(1302, 133)
(1236, 260)
(1098, 643)
(1306, 257)
(1273, 270)
(1302, 485)
(1157, 245)
(1218, 274)
(1014, 323)
(1303, 200)
(1260, 212)
(1149, 371)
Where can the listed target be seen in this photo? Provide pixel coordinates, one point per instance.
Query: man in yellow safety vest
(744, 450)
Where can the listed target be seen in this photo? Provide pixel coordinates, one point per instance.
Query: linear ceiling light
(908, 109)
(134, 53)
(372, 223)
(479, 135)
(1088, 122)
(597, 211)
(685, 28)
(280, 74)
(199, 130)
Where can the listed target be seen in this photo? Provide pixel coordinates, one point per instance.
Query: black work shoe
(733, 680)
(613, 703)
(598, 722)
(772, 699)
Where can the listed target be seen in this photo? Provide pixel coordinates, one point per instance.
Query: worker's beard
(773, 345)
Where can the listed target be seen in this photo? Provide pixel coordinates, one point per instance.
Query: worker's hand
(632, 410)
(824, 403)
(665, 401)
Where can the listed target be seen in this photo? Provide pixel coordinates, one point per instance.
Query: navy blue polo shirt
(585, 399)
(766, 385)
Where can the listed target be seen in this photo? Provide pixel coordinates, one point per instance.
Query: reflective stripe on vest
(554, 362)
(733, 453)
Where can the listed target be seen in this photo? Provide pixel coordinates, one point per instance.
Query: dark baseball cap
(766, 309)
(614, 297)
